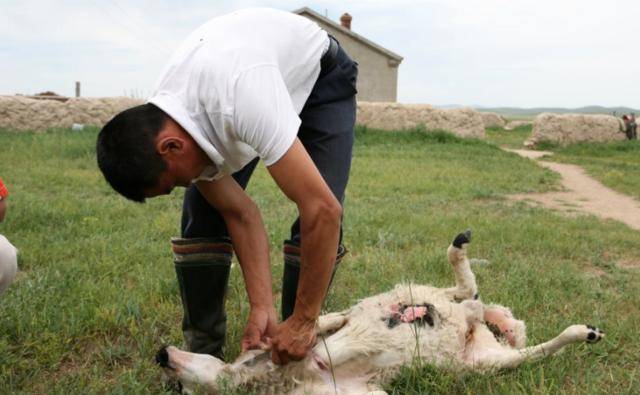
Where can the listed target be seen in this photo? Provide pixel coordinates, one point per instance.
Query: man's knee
(8, 263)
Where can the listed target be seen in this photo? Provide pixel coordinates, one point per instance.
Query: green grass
(615, 164)
(97, 296)
(509, 138)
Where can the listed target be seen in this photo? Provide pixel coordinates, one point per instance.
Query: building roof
(308, 11)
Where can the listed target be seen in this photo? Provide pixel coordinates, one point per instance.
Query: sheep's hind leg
(466, 287)
(502, 322)
(509, 358)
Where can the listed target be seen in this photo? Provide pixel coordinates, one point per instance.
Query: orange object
(3, 190)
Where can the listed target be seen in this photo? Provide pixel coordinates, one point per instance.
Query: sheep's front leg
(334, 346)
(331, 322)
(509, 358)
(466, 287)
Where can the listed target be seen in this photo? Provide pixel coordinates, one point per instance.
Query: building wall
(377, 80)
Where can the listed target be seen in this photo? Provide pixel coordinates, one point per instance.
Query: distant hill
(516, 112)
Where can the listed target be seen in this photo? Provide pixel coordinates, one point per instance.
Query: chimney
(345, 20)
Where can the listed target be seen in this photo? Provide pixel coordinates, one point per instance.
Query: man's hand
(261, 328)
(294, 338)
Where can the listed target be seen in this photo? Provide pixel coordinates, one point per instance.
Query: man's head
(142, 153)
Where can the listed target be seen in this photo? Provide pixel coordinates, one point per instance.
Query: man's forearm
(249, 238)
(320, 231)
(251, 245)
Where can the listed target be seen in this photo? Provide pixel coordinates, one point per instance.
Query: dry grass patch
(632, 263)
(594, 271)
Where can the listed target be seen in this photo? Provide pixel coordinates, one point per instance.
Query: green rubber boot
(202, 267)
(292, 273)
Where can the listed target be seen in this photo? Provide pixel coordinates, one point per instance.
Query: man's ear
(169, 145)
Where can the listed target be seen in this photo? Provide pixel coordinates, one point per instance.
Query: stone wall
(464, 122)
(493, 120)
(21, 113)
(573, 128)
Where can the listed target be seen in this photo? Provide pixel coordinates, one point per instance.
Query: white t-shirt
(238, 83)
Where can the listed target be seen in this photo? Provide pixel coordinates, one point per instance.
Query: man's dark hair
(126, 150)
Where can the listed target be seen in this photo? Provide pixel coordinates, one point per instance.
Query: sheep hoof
(594, 335)
(462, 238)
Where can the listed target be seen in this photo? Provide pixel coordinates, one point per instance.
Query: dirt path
(584, 194)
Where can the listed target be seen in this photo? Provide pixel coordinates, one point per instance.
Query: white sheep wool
(8, 263)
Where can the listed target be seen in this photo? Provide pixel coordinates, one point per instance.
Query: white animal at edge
(361, 349)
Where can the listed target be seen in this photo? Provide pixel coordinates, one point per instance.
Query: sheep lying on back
(362, 348)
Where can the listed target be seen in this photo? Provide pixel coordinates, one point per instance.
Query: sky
(521, 53)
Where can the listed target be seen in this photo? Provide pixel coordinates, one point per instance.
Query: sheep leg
(502, 320)
(466, 287)
(331, 322)
(509, 358)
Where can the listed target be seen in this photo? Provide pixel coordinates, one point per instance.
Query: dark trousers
(327, 133)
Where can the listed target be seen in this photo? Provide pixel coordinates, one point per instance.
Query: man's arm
(249, 239)
(320, 216)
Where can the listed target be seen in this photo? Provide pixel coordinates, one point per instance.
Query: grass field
(97, 296)
(615, 164)
(509, 138)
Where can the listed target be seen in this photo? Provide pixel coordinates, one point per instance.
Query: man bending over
(253, 84)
